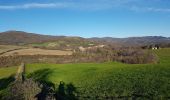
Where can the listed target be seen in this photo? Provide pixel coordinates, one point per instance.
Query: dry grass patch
(37, 51)
(7, 48)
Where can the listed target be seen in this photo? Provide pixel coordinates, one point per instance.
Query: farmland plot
(37, 51)
(110, 79)
(7, 48)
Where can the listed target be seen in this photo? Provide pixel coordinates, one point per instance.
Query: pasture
(149, 81)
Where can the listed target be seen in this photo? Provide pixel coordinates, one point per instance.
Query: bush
(27, 90)
(125, 55)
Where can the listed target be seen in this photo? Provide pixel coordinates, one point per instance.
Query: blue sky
(87, 18)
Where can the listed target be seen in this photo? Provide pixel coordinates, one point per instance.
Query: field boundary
(10, 51)
(20, 72)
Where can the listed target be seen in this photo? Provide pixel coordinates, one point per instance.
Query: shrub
(27, 90)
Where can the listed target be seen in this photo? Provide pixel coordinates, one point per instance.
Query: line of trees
(124, 55)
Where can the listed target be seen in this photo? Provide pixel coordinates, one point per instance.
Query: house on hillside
(155, 47)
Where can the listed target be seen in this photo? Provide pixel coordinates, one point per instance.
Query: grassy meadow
(106, 79)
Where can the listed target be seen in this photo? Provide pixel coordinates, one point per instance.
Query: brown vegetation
(26, 90)
(125, 55)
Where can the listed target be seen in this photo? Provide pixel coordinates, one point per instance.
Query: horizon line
(84, 36)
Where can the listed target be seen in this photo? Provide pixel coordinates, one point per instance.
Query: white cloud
(149, 9)
(35, 5)
(71, 4)
(92, 5)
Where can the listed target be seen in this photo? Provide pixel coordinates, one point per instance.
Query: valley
(84, 49)
(85, 69)
(145, 81)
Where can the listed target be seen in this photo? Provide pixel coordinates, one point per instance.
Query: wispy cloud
(131, 5)
(71, 4)
(149, 9)
(35, 5)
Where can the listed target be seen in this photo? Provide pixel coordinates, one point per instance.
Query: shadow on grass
(66, 92)
(52, 91)
(5, 82)
(41, 75)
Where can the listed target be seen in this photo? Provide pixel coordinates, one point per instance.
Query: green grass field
(110, 78)
(6, 72)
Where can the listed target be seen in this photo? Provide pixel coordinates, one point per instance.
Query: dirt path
(20, 72)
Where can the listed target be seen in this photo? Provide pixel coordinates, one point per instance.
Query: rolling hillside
(106, 80)
(20, 38)
(131, 41)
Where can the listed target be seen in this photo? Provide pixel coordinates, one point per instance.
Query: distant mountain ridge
(20, 37)
(146, 40)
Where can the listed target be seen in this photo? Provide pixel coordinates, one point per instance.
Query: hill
(42, 41)
(131, 41)
(20, 38)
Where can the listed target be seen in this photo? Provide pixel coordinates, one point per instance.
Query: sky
(87, 18)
